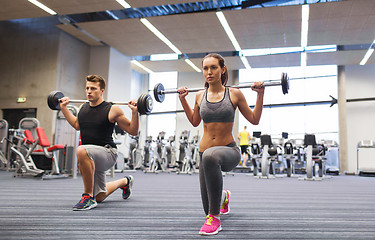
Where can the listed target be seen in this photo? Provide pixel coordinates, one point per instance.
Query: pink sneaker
(211, 226)
(225, 207)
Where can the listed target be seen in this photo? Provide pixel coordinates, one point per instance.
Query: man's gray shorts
(104, 158)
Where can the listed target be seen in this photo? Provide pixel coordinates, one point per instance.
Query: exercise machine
(315, 156)
(3, 147)
(255, 156)
(269, 157)
(186, 155)
(158, 162)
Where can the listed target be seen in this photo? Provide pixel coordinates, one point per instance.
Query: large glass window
(169, 80)
(308, 84)
(161, 122)
(164, 121)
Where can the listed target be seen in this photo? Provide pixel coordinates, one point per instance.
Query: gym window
(164, 121)
(307, 85)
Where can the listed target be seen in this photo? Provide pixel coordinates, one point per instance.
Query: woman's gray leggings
(213, 161)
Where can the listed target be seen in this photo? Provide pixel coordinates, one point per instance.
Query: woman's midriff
(216, 134)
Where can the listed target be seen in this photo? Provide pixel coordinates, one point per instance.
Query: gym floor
(168, 206)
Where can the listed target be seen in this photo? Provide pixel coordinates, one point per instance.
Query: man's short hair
(96, 78)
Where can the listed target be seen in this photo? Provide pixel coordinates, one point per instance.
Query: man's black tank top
(94, 124)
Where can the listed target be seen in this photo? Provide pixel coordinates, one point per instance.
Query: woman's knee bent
(209, 158)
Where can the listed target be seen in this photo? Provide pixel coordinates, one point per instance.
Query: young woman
(218, 151)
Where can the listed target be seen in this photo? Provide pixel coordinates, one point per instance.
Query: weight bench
(50, 152)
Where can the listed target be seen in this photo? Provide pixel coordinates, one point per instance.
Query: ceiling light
(368, 54)
(141, 66)
(163, 57)
(42, 6)
(228, 30)
(245, 62)
(192, 65)
(160, 35)
(123, 3)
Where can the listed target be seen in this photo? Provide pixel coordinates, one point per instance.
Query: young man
(98, 153)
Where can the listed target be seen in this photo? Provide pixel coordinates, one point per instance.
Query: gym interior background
(41, 53)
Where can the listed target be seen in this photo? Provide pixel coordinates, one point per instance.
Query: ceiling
(195, 30)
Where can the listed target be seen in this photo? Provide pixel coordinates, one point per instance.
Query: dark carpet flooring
(168, 206)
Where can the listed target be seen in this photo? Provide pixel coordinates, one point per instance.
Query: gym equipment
(51, 152)
(256, 154)
(147, 152)
(23, 163)
(69, 137)
(332, 163)
(269, 157)
(315, 154)
(365, 158)
(187, 151)
(158, 162)
(160, 91)
(144, 102)
(289, 158)
(3, 147)
(133, 146)
(170, 148)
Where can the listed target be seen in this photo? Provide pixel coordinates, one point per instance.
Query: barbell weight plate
(149, 104)
(158, 92)
(140, 104)
(53, 100)
(285, 83)
(144, 105)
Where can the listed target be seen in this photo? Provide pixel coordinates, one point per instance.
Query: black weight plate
(141, 104)
(149, 104)
(53, 100)
(158, 94)
(285, 83)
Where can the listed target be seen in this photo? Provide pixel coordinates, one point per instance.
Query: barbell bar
(144, 102)
(160, 91)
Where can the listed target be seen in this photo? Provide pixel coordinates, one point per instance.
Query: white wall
(119, 80)
(360, 83)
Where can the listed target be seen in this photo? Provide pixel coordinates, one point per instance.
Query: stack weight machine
(66, 135)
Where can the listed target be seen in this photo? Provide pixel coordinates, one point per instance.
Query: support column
(343, 138)
(235, 81)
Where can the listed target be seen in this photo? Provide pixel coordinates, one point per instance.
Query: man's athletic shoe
(211, 226)
(86, 203)
(127, 190)
(225, 207)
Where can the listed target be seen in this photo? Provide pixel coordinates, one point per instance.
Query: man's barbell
(144, 102)
(160, 91)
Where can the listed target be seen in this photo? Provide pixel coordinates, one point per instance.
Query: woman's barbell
(160, 91)
(144, 102)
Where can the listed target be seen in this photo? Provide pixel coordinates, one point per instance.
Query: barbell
(144, 102)
(160, 91)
